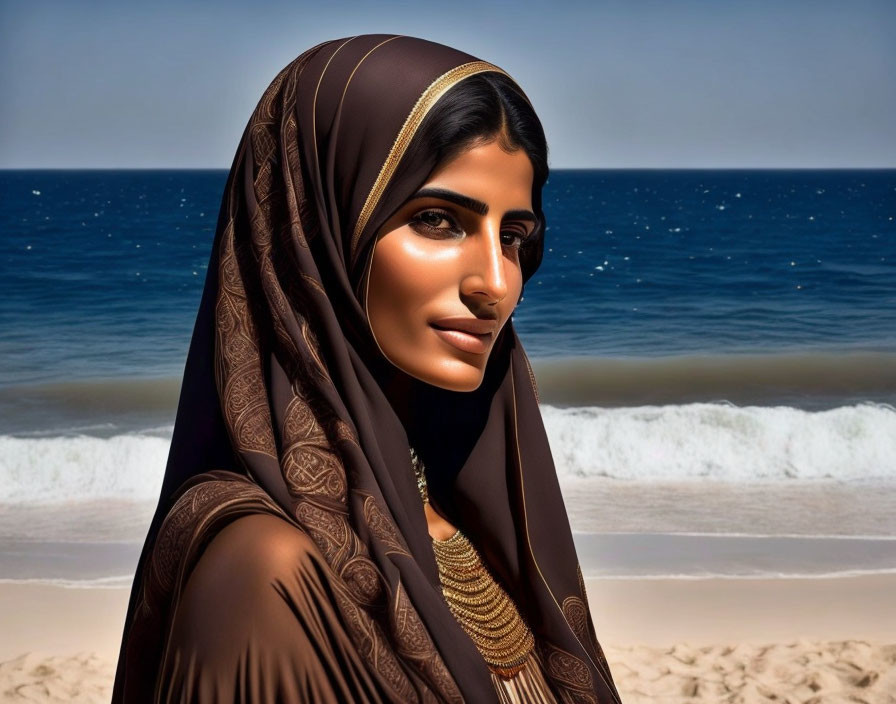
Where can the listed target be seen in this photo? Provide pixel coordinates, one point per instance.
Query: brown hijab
(284, 406)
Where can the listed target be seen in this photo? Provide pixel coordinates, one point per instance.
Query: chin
(461, 385)
(468, 379)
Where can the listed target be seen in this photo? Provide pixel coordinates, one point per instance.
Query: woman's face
(445, 274)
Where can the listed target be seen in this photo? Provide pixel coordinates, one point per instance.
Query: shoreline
(603, 556)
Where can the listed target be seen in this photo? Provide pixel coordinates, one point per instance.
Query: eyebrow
(477, 206)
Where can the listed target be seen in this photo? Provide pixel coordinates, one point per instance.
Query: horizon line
(552, 168)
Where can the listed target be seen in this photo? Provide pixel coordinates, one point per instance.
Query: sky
(621, 84)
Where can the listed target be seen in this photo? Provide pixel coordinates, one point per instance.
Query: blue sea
(715, 353)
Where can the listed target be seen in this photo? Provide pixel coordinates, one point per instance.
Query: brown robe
(257, 622)
(282, 639)
(289, 557)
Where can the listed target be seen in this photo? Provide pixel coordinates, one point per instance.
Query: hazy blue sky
(778, 83)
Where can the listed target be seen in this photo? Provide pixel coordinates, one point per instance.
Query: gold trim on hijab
(424, 103)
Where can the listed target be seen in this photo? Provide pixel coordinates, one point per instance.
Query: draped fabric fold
(283, 411)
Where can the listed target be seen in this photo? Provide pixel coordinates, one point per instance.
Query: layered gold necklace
(478, 602)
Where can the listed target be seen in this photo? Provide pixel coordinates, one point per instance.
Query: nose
(486, 275)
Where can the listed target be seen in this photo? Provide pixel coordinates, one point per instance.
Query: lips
(475, 326)
(467, 334)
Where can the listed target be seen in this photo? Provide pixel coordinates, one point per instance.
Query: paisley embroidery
(310, 467)
(372, 645)
(576, 615)
(342, 432)
(383, 528)
(568, 674)
(186, 523)
(591, 638)
(413, 640)
(238, 371)
(364, 580)
(567, 668)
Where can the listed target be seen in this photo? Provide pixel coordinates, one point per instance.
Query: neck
(441, 425)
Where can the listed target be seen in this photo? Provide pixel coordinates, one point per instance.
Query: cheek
(403, 281)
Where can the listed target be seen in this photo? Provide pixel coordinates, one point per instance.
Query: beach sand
(749, 640)
(667, 640)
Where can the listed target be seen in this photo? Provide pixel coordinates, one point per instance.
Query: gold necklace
(481, 606)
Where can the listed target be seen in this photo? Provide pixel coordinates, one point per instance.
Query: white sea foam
(693, 441)
(115, 582)
(48, 470)
(723, 442)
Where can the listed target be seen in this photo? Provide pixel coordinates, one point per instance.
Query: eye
(429, 221)
(518, 237)
(442, 223)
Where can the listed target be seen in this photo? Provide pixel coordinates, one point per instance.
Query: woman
(358, 492)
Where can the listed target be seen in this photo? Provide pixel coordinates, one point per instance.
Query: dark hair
(478, 109)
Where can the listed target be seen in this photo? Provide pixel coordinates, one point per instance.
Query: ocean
(715, 354)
